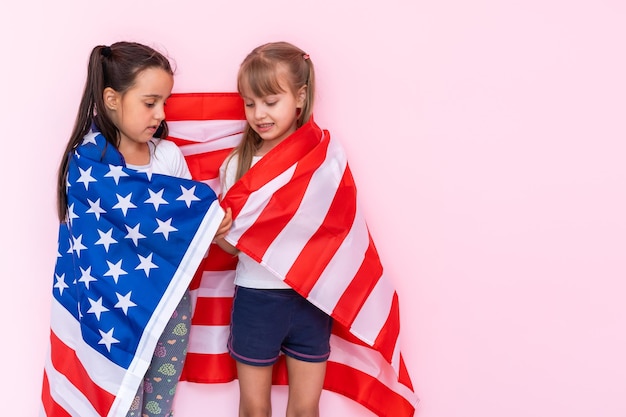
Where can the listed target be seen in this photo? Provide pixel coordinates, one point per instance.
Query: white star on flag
(85, 177)
(106, 239)
(165, 227)
(86, 277)
(188, 195)
(77, 245)
(107, 339)
(70, 213)
(146, 264)
(116, 172)
(115, 270)
(123, 302)
(60, 284)
(124, 203)
(96, 307)
(94, 207)
(146, 171)
(133, 233)
(90, 137)
(156, 199)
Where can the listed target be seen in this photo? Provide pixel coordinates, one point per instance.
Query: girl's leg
(306, 380)
(155, 396)
(255, 387)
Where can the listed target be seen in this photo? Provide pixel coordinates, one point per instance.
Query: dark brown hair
(117, 67)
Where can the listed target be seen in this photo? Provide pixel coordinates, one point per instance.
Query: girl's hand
(224, 227)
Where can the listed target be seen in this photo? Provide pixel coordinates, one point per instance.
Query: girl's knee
(254, 411)
(303, 410)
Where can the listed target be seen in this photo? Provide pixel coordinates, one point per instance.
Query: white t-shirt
(249, 273)
(165, 158)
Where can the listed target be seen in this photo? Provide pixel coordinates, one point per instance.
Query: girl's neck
(266, 146)
(135, 153)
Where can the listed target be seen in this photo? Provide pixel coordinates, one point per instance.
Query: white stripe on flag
(213, 284)
(341, 270)
(101, 371)
(208, 339)
(66, 394)
(259, 199)
(205, 131)
(369, 362)
(374, 313)
(215, 185)
(285, 249)
(217, 284)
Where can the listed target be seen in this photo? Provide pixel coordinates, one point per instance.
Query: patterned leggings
(156, 394)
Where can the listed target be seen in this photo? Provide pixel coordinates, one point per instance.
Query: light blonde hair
(260, 72)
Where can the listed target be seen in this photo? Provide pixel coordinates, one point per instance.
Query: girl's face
(138, 112)
(274, 116)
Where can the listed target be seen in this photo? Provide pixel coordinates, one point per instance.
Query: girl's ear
(301, 96)
(111, 98)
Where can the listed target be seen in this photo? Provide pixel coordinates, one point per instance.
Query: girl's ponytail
(84, 117)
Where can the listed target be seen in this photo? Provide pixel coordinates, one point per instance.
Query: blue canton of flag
(127, 252)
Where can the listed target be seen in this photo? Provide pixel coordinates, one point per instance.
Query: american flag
(295, 212)
(127, 253)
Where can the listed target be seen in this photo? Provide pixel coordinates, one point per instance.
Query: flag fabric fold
(128, 251)
(296, 212)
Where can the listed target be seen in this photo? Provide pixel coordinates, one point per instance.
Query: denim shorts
(265, 322)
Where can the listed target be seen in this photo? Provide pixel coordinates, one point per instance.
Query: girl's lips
(264, 127)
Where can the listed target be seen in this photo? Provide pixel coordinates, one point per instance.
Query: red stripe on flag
(209, 368)
(387, 338)
(366, 390)
(315, 256)
(361, 285)
(197, 277)
(205, 106)
(342, 379)
(66, 362)
(282, 206)
(403, 376)
(283, 156)
(344, 333)
(206, 165)
(218, 260)
(212, 311)
(51, 407)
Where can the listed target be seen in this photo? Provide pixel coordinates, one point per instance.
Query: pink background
(488, 142)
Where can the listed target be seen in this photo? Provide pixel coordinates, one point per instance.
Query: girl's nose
(259, 112)
(159, 113)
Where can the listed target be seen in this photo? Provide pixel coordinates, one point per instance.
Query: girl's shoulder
(164, 145)
(168, 159)
(230, 161)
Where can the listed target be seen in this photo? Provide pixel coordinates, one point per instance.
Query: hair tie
(106, 51)
(306, 56)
